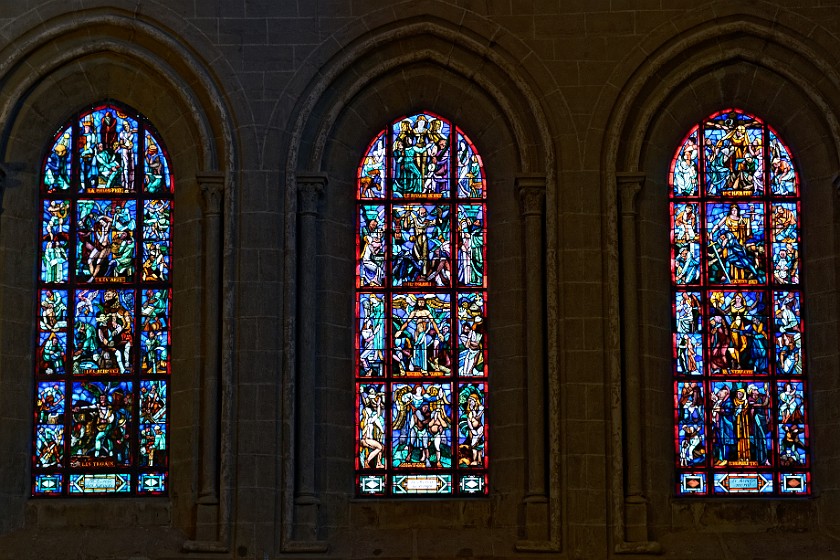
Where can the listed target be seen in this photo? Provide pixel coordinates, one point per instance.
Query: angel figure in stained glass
(421, 409)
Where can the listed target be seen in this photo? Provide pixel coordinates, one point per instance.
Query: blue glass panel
(47, 484)
(151, 483)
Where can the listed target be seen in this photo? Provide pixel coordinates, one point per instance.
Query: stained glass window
(421, 308)
(740, 386)
(101, 405)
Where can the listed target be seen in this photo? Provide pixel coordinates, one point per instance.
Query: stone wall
(576, 107)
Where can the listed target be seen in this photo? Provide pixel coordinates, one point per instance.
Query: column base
(537, 527)
(207, 522)
(306, 546)
(305, 527)
(636, 529)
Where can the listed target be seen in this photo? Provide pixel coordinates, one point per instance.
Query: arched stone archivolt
(57, 67)
(380, 75)
(709, 66)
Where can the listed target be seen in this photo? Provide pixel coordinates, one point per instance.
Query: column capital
(531, 192)
(212, 186)
(310, 187)
(629, 184)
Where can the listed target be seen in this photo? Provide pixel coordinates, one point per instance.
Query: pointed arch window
(102, 366)
(421, 308)
(740, 381)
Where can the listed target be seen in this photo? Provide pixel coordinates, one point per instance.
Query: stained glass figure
(788, 333)
(105, 247)
(101, 422)
(471, 335)
(55, 238)
(371, 345)
(471, 245)
(421, 245)
(684, 175)
(58, 167)
(471, 426)
(782, 173)
(420, 157)
(738, 329)
(421, 435)
(153, 424)
(371, 246)
(470, 169)
(685, 250)
(420, 313)
(157, 179)
(691, 431)
(103, 332)
(154, 336)
(740, 404)
(371, 426)
(688, 343)
(421, 338)
(733, 146)
(52, 333)
(371, 174)
(735, 243)
(102, 415)
(108, 151)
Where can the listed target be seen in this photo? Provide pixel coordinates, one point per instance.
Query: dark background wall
(565, 99)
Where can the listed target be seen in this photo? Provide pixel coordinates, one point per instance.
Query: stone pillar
(531, 192)
(310, 187)
(635, 503)
(212, 186)
(2, 187)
